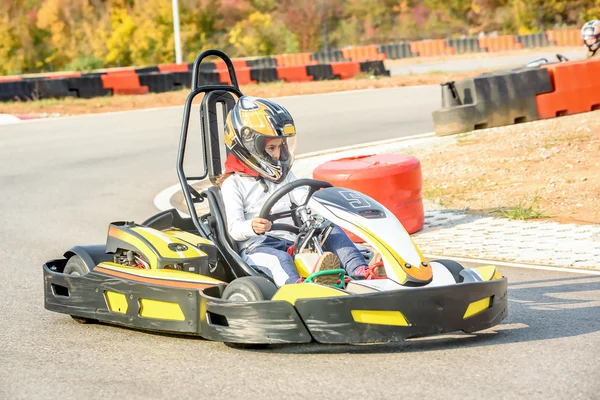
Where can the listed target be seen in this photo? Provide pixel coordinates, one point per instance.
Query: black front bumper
(327, 320)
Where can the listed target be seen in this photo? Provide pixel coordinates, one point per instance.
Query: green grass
(523, 211)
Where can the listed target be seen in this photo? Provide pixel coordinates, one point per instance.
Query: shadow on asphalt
(538, 310)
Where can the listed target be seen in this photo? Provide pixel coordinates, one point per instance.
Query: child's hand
(261, 225)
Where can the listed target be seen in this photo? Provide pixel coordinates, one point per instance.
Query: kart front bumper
(385, 316)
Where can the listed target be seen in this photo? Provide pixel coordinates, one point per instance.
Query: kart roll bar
(188, 190)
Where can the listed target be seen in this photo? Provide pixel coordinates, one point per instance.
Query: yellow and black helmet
(251, 124)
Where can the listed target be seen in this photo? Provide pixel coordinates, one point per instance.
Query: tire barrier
(534, 40)
(505, 98)
(400, 174)
(326, 57)
(171, 77)
(465, 45)
(394, 51)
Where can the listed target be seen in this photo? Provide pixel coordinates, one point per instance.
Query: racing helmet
(255, 123)
(590, 33)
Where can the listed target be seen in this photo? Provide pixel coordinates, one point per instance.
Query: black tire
(76, 266)
(249, 288)
(454, 268)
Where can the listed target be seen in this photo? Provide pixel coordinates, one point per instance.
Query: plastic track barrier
(534, 40)
(363, 53)
(499, 43)
(292, 60)
(576, 89)
(491, 100)
(345, 70)
(567, 37)
(394, 51)
(465, 45)
(399, 174)
(428, 48)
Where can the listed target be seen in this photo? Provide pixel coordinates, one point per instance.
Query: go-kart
(183, 274)
(540, 61)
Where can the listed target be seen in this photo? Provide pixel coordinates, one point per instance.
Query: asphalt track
(63, 180)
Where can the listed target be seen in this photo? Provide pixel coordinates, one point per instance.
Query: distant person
(590, 33)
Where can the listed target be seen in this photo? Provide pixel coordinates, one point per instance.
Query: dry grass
(545, 170)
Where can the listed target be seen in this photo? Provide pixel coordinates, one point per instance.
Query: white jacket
(244, 197)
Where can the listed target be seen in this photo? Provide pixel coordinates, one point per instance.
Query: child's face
(273, 148)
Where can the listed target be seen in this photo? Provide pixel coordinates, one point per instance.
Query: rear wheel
(249, 288)
(76, 266)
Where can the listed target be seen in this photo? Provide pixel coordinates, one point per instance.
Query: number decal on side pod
(356, 200)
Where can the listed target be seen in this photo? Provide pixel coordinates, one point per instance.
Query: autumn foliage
(54, 35)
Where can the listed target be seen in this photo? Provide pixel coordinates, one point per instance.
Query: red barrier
(294, 74)
(297, 59)
(173, 67)
(345, 69)
(12, 78)
(242, 74)
(565, 37)
(576, 89)
(363, 53)
(499, 43)
(123, 82)
(428, 48)
(394, 180)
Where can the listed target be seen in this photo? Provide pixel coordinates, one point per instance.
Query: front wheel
(249, 288)
(77, 267)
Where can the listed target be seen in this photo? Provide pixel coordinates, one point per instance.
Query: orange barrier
(288, 60)
(345, 69)
(10, 78)
(363, 53)
(62, 75)
(576, 89)
(399, 174)
(237, 63)
(242, 74)
(499, 43)
(173, 67)
(565, 37)
(428, 48)
(294, 74)
(123, 82)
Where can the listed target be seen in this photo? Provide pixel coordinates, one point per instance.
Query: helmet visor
(276, 150)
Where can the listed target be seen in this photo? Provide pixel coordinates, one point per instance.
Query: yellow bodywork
(187, 237)
(293, 292)
(117, 302)
(396, 262)
(477, 307)
(161, 242)
(488, 272)
(380, 317)
(136, 242)
(170, 274)
(161, 310)
(305, 263)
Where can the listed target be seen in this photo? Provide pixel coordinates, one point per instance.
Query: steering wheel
(561, 58)
(265, 212)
